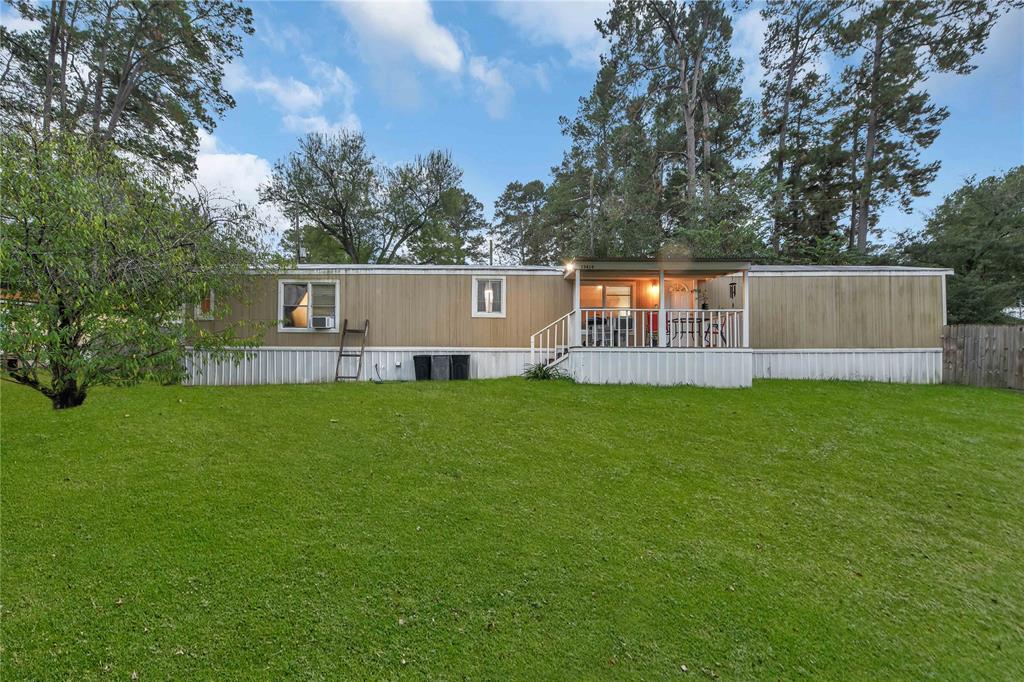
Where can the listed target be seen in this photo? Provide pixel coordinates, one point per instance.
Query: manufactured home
(660, 321)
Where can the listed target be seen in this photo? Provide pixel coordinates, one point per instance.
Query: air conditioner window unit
(323, 322)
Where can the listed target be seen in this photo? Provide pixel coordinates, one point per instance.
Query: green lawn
(519, 529)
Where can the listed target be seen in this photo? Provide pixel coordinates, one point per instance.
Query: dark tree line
(666, 153)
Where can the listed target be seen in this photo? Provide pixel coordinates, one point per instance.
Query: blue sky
(488, 81)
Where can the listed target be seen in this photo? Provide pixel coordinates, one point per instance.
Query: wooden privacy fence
(983, 355)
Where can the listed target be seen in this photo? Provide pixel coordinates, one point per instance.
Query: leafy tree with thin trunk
(978, 230)
(101, 266)
(374, 211)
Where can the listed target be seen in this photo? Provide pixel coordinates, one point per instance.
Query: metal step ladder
(350, 352)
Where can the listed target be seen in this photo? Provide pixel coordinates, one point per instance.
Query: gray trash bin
(440, 367)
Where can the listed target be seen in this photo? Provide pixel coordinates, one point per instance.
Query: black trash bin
(422, 363)
(460, 367)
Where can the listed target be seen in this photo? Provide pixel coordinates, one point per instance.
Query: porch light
(732, 290)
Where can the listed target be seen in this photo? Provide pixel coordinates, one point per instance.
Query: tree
(657, 145)
(805, 166)
(668, 50)
(99, 261)
(978, 230)
(520, 230)
(333, 183)
(317, 246)
(888, 118)
(457, 234)
(141, 74)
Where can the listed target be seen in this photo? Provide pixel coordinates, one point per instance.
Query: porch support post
(575, 317)
(746, 310)
(662, 322)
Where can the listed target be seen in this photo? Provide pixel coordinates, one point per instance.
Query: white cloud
(289, 93)
(569, 25)
(281, 37)
(333, 82)
(303, 104)
(747, 40)
(235, 177)
(319, 124)
(397, 37)
(492, 86)
(12, 20)
(392, 29)
(230, 175)
(1002, 61)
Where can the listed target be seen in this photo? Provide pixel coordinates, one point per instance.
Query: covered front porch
(651, 304)
(658, 321)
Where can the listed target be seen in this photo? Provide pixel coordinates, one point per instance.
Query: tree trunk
(67, 26)
(780, 161)
(69, 395)
(854, 190)
(870, 140)
(691, 134)
(705, 146)
(56, 24)
(101, 70)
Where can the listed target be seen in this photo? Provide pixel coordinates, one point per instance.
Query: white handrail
(551, 342)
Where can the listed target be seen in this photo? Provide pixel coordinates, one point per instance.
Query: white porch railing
(552, 342)
(618, 327)
(721, 328)
(680, 328)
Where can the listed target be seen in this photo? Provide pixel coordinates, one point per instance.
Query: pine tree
(888, 116)
(805, 166)
(522, 236)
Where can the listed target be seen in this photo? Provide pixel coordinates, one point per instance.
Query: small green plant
(542, 371)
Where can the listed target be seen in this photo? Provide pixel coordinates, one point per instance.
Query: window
(606, 296)
(488, 297)
(618, 297)
(307, 306)
(204, 311)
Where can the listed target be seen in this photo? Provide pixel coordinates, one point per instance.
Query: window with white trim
(307, 306)
(204, 309)
(489, 296)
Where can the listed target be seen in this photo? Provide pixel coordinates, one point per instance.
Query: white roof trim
(374, 269)
(845, 271)
(308, 269)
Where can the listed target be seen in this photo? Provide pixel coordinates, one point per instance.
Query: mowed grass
(514, 529)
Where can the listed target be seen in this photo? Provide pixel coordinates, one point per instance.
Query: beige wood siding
(883, 311)
(716, 292)
(414, 309)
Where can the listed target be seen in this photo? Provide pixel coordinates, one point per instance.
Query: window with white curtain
(489, 297)
(307, 306)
